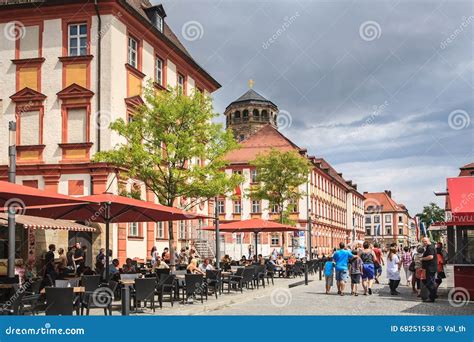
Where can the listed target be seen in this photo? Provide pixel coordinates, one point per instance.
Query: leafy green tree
(279, 176)
(432, 213)
(172, 145)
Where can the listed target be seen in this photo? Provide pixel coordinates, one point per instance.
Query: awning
(461, 196)
(34, 222)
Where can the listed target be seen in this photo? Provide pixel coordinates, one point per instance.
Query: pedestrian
(419, 274)
(78, 258)
(329, 273)
(356, 266)
(49, 267)
(378, 262)
(154, 254)
(341, 258)
(440, 275)
(393, 270)
(368, 257)
(100, 258)
(406, 261)
(430, 265)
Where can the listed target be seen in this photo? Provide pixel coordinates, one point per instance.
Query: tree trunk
(171, 245)
(282, 233)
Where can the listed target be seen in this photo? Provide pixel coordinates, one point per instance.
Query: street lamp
(11, 212)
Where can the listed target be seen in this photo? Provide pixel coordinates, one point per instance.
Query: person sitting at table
(205, 266)
(260, 260)
(99, 267)
(183, 257)
(113, 268)
(243, 261)
(62, 260)
(226, 262)
(193, 267)
(291, 260)
(159, 265)
(129, 267)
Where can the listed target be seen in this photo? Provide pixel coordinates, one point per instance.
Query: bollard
(126, 300)
(320, 270)
(306, 273)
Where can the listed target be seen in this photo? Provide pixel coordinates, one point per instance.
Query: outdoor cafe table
(76, 289)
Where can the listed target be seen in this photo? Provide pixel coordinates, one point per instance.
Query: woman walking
(393, 270)
(368, 268)
(406, 261)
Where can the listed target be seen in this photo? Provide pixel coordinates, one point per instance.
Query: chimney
(366, 192)
(389, 193)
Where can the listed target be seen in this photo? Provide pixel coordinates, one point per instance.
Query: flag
(422, 228)
(417, 229)
(377, 230)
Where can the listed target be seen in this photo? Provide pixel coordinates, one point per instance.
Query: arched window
(237, 115)
(264, 115)
(256, 115)
(245, 115)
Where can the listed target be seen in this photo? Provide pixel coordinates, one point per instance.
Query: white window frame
(159, 71)
(132, 57)
(160, 230)
(256, 207)
(275, 237)
(237, 204)
(221, 206)
(160, 23)
(253, 176)
(76, 37)
(180, 78)
(133, 230)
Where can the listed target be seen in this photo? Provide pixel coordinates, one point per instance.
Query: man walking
(430, 265)
(341, 258)
(378, 262)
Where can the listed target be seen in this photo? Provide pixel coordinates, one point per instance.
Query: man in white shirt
(206, 266)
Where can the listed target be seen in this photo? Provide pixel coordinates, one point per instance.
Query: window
(77, 39)
(133, 229)
(132, 52)
(237, 207)
(388, 230)
(221, 207)
(275, 239)
(182, 229)
(181, 83)
(159, 71)
(376, 219)
(253, 175)
(256, 115)
(293, 206)
(245, 115)
(159, 22)
(238, 238)
(400, 218)
(274, 209)
(237, 172)
(400, 231)
(76, 125)
(259, 239)
(160, 230)
(368, 219)
(255, 207)
(388, 219)
(367, 231)
(30, 128)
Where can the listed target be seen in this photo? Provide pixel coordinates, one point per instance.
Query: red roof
(253, 225)
(383, 201)
(260, 142)
(461, 195)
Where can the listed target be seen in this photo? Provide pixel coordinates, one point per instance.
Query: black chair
(298, 269)
(101, 297)
(73, 282)
(160, 271)
(235, 280)
(259, 275)
(248, 277)
(144, 291)
(270, 274)
(166, 285)
(31, 299)
(214, 281)
(194, 285)
(59, 301)
(13, 306)
(90, 282)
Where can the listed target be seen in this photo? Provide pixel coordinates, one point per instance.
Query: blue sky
(383, 90)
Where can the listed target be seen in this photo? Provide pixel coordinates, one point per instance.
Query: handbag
(411, 268)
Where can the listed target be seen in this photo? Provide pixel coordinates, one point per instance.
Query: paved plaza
(279, 299)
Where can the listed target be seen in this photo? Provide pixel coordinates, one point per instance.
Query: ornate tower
(249, 113)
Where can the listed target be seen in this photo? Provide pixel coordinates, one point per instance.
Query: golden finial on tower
(250, 83)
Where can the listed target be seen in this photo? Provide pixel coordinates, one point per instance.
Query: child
(356, 268)
(393, 270)
(329, 273)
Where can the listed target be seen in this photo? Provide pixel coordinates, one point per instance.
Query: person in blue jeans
(342, 257)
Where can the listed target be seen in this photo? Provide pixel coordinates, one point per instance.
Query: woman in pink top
(407, 258)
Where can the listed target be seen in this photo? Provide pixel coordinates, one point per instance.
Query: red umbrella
(108, 208)
(253, 226)
(20, 196)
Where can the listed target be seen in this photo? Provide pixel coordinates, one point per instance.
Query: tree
(431, 213)
(172, 145)
(279, 176)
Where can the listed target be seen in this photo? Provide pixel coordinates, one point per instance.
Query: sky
(383, 90)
